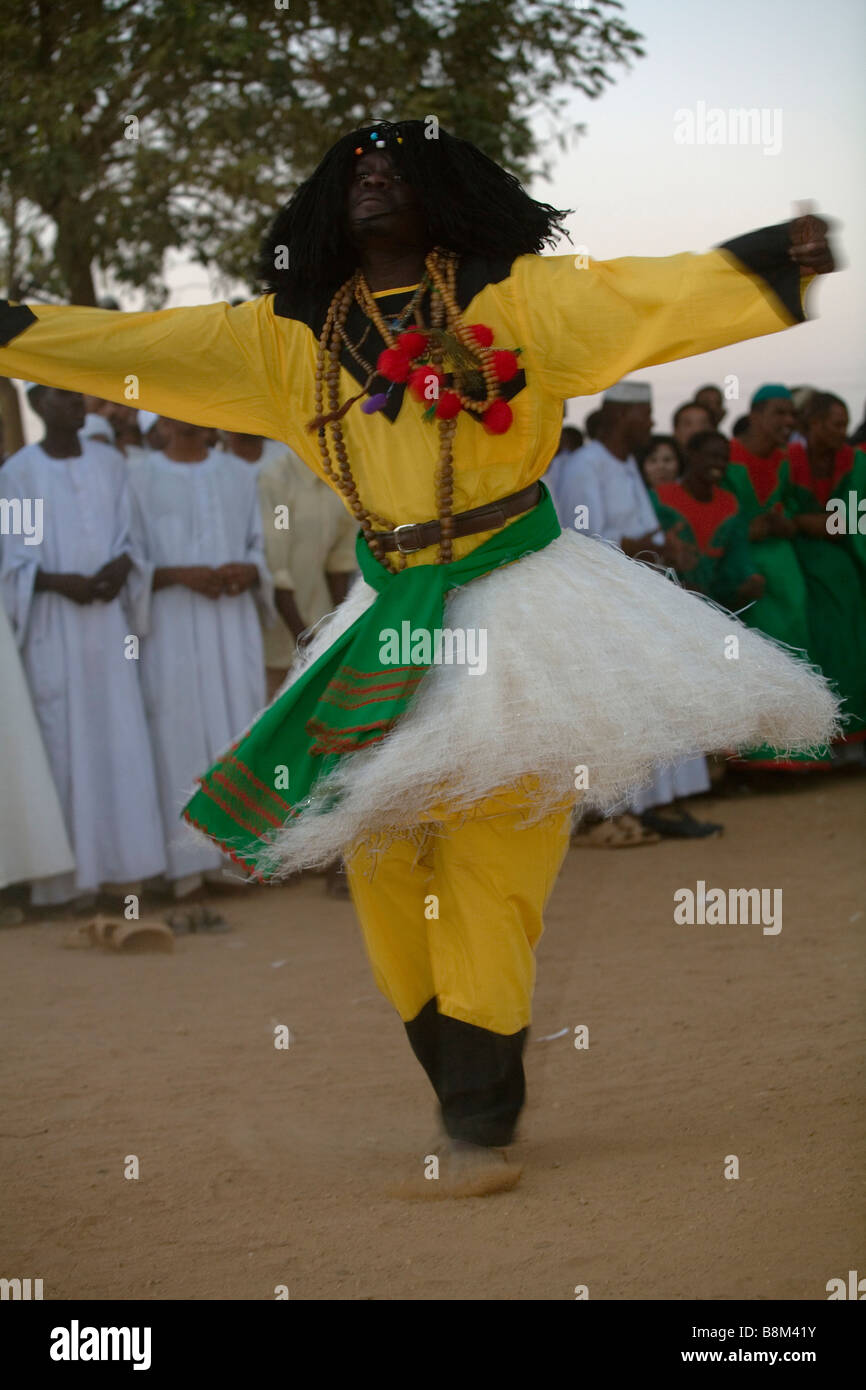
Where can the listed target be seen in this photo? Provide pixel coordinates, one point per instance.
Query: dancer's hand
(809, 246)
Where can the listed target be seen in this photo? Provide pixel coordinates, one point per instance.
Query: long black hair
(472, 206)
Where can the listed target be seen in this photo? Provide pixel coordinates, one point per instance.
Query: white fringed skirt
(598, 669)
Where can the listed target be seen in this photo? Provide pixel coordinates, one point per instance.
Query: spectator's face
(776, 419)
(63, 410)
(246, 446)
(661, 466)
(156, 437)
(569, 440)
(708, 464)
(691, 421)
(711, 399)
(831, 431)
(123, 417)
(640, 425)
(179, 432)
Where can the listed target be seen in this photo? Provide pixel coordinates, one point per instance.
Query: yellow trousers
(455, 913)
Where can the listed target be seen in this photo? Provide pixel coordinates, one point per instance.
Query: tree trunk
(10, 414)
(73, 254)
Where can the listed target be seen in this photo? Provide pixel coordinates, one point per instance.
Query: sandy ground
(262, 1167)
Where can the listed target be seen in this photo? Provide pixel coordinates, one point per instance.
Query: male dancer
(415, 349)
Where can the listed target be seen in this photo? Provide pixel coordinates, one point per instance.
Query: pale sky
(637, 191)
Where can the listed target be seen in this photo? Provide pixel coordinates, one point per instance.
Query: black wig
(472, 205)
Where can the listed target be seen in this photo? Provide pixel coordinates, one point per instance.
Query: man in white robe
(257, 453)
(310, 548)
(65, 599)
(33, 839)
(570, 440)
(600, 490)
(200, 576)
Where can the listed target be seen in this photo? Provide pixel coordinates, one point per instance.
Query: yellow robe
(250, 368)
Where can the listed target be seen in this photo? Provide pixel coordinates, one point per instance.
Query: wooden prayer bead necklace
(398, 324)
(441, 269)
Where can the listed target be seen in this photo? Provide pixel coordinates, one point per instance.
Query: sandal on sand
(619, 832)
(200, 918)
(680, 825)
(116, 934)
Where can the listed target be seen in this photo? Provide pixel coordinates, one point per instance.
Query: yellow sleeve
(589, 323)
(231, 367)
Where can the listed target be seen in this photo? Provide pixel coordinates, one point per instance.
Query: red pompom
(412, 343)
(419, 382)
(393, 364)
(497, 417)
(481, 333)
(505, 364)
(448, 406)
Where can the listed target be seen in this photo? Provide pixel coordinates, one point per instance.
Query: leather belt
(417, 535)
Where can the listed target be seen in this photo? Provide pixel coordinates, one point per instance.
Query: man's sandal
(619, 832)
(117, 934)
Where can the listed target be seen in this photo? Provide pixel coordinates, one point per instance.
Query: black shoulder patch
(474, 273)
(765, 253)
(14, 318)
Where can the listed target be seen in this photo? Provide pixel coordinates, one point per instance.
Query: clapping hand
(679, 554)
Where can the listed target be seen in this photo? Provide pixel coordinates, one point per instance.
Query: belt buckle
(407, 526)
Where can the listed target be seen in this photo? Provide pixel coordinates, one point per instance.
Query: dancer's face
(381, 205)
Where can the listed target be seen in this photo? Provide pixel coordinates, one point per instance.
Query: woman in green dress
(759, 476)
(828, 485)
(709, 520)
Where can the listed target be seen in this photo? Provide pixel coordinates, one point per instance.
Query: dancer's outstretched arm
(214, 365)
(589, 323)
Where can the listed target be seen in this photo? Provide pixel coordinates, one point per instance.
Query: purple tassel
(374, 403)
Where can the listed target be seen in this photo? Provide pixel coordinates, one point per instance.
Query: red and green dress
(835, 572)
(717, 531)
(761, 485)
